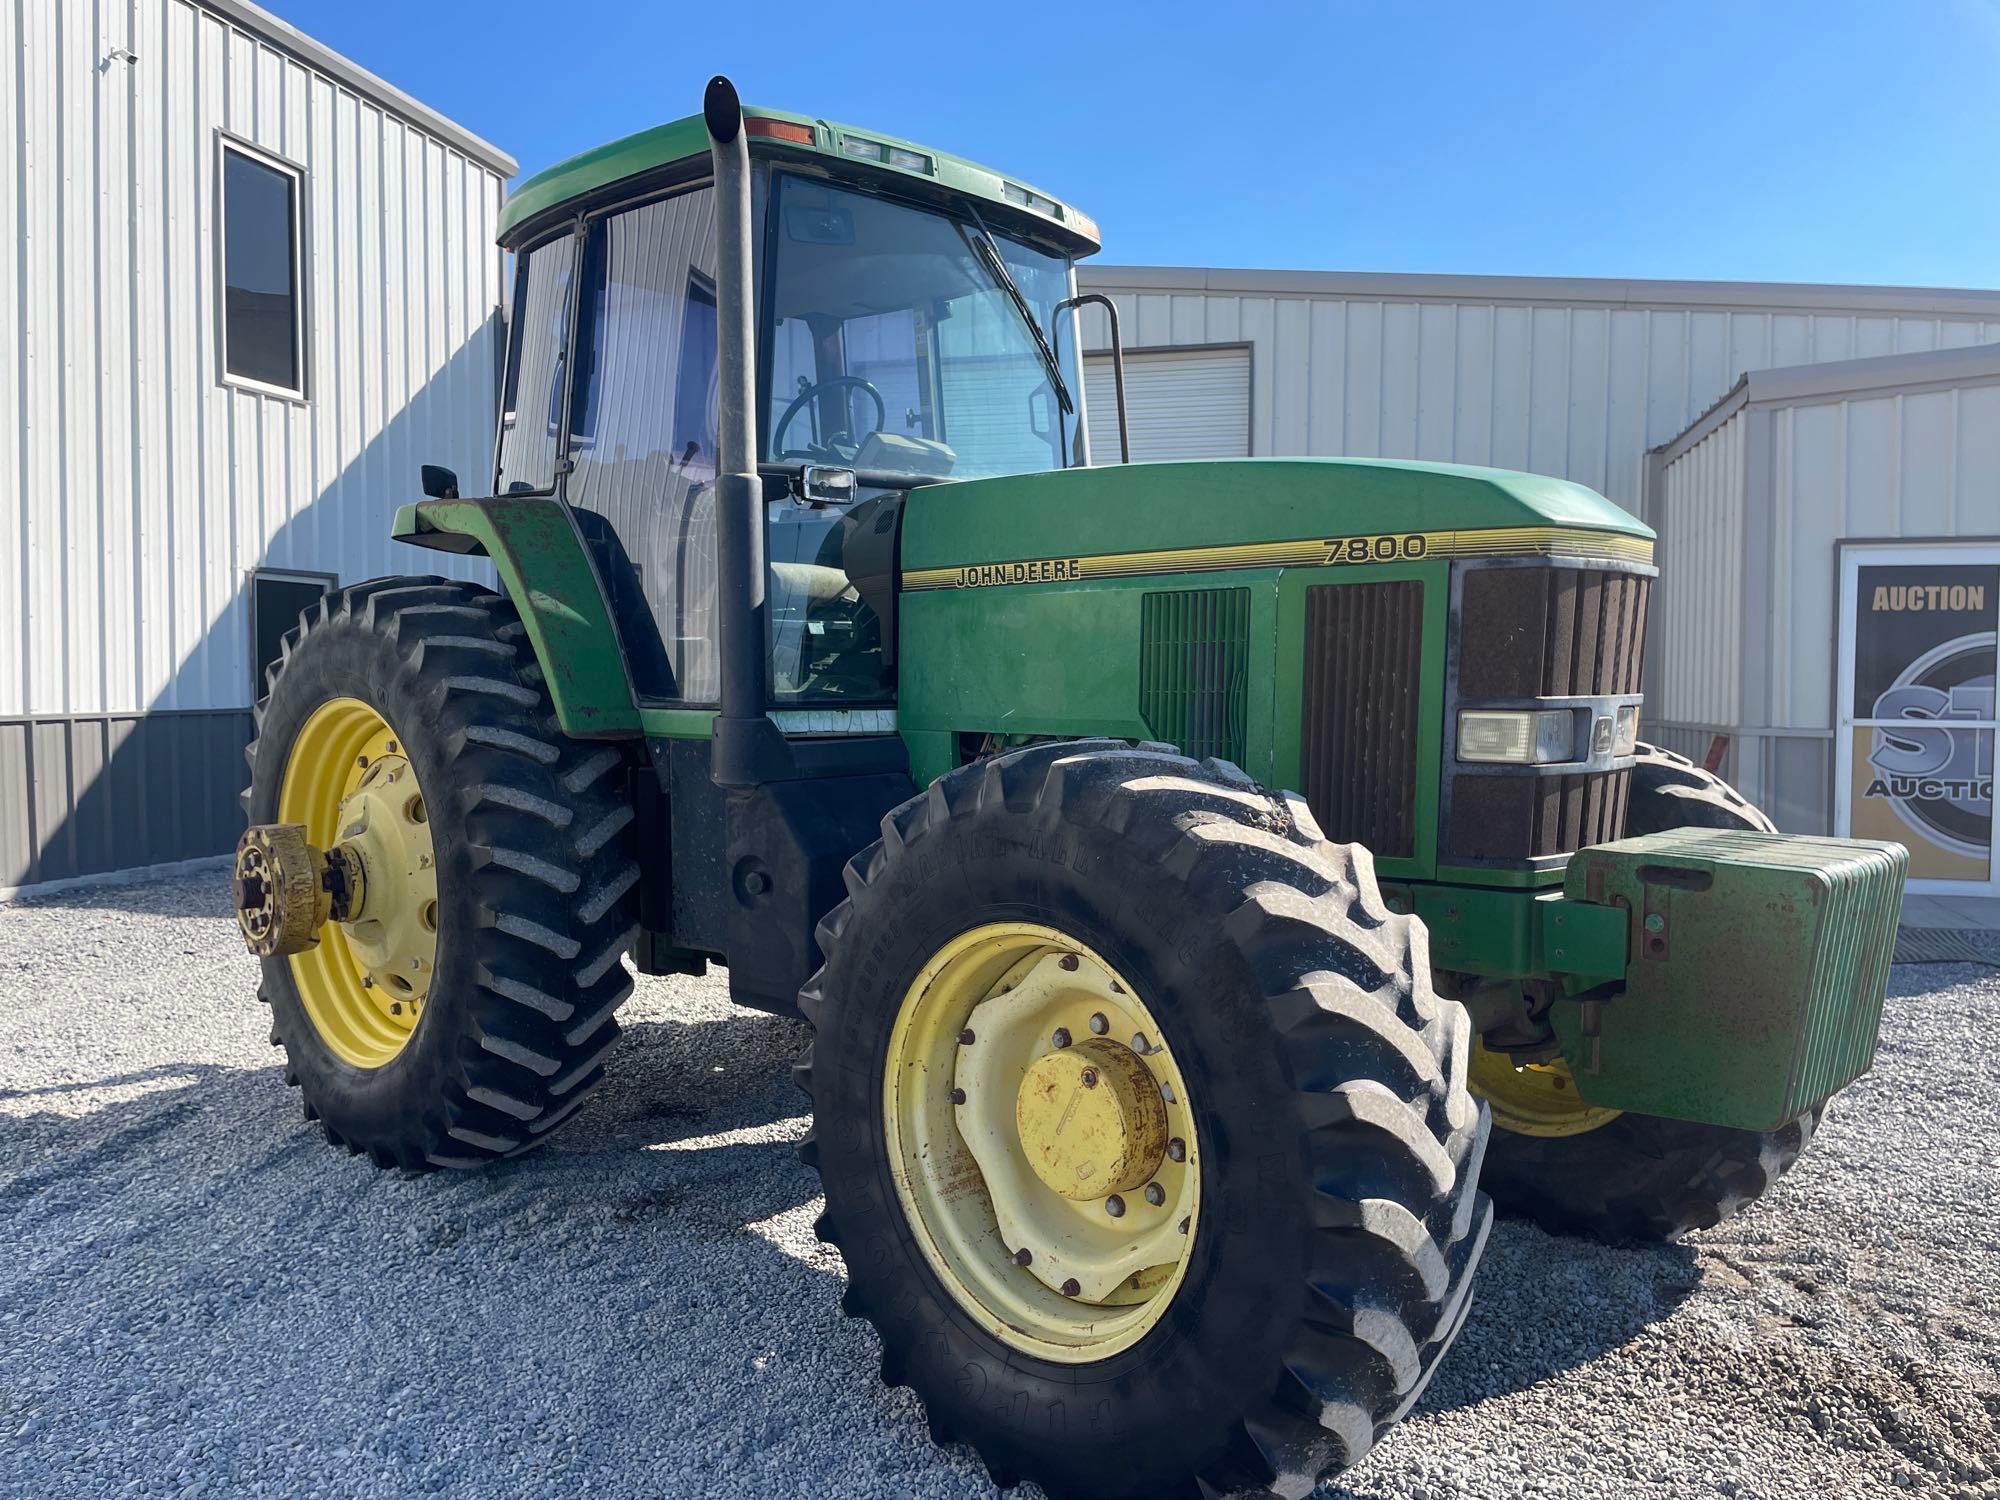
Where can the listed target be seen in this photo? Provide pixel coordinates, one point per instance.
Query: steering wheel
(812, 392)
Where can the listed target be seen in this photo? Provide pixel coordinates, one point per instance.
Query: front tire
(534, 878)
(1330, 1259)
(1611, 1176)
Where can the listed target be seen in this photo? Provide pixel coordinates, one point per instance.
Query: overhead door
(1180, 403)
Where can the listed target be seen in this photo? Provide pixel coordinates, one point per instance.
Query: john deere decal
(1925, 644)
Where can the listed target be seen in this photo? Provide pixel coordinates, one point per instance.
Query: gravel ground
(197, 1296)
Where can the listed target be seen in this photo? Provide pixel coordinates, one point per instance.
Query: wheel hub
(345, 885)
(1044, 1141)
(1091, 1120)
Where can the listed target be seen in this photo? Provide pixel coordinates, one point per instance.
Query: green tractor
(1153, 1103)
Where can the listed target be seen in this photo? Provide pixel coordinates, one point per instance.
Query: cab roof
(778, 134)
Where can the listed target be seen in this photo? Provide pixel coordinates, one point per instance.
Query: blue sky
(1832, 141)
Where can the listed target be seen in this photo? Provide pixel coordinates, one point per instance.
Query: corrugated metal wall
(1750, 504)
(136, 489)
(1574, 378)
(1697, 639)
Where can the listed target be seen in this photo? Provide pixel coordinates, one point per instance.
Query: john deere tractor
(1194, 873)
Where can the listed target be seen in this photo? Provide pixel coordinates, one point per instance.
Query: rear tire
(1640, 1177)
(537, 887)
(1339, 1223)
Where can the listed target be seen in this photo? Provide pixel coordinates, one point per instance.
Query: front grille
(1514, 817)
(1542, 632)
(1358, 735)
(1550, 633)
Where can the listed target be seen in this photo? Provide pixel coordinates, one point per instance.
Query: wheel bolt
(1177, 1149)
(395, 1007)
(1090, 1078)
(1139, 1043)
(1061, 1038)
(367, 982)
(958, 1096)
(1070, 1288)
(1155, 1194)
(1098, 1025)
(966, 1038)
(1024, 1256)
(361, 761)
(1069, 961)
(1184, 1226)
(390, 747)
(1117, 988)
(1115, 1206)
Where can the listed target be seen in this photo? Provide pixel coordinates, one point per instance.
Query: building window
(276, 602)
(263, 324)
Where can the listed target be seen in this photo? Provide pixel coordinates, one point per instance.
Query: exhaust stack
(741, 725)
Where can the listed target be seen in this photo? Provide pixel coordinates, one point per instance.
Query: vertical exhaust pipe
(741, 724)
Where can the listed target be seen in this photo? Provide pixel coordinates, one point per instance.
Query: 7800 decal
(1405, 546)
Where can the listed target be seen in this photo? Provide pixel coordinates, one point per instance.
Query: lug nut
(1070, 1288)
(1139, 1043)
(1061, 1038)
(1090, 1078)
(1117, 988)
(395, 1007)
(966, 1038)
(1098, 1025)
(390, 747)
(1155, 1194)
(367, 982)
(1115, 1206)
(1167, 1092)
(1024, 1256)
(1069, 962)
(1177, 1149)
(1184, 1226)
(958, 1096)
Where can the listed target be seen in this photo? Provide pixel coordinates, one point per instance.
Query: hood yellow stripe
(1383, 547)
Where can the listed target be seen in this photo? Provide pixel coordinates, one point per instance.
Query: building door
(1179, 403)
(1914, 748)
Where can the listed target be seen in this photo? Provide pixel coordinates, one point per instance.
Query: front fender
(534, 546)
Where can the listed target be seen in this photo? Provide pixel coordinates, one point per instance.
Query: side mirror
(440, 483)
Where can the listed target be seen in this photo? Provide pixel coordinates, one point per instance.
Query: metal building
(245, 289)
(1830, 595)
(1564, 376)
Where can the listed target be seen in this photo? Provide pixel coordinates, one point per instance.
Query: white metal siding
(1890, 464)
(1180, 403)
(1571, 378)
(136, 490)
(1697, 629)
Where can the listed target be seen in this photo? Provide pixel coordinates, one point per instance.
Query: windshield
(894, 348)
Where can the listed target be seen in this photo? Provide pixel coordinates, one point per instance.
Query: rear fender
(533, 544)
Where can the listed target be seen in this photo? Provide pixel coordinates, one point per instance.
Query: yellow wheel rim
(1042, 1142)
(1539, 1099)
(363, 985)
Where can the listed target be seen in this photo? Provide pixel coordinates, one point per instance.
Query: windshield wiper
(997, 268)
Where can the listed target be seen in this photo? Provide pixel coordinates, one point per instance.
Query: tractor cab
(912, 323)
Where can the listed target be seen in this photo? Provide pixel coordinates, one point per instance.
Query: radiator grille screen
(1358, 736)
(1550, 632)
(1544, 632)
(1194, 667)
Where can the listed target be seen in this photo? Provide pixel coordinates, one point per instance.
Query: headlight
(1626, 741)
(1525, 738)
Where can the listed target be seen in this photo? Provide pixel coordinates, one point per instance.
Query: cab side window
(642, 435)
(531, 399)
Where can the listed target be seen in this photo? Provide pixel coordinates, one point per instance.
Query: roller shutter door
(1181, 403)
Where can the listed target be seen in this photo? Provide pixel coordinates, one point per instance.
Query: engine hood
(1269, 508)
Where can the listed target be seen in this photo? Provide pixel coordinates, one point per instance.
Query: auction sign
(1921, 715)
